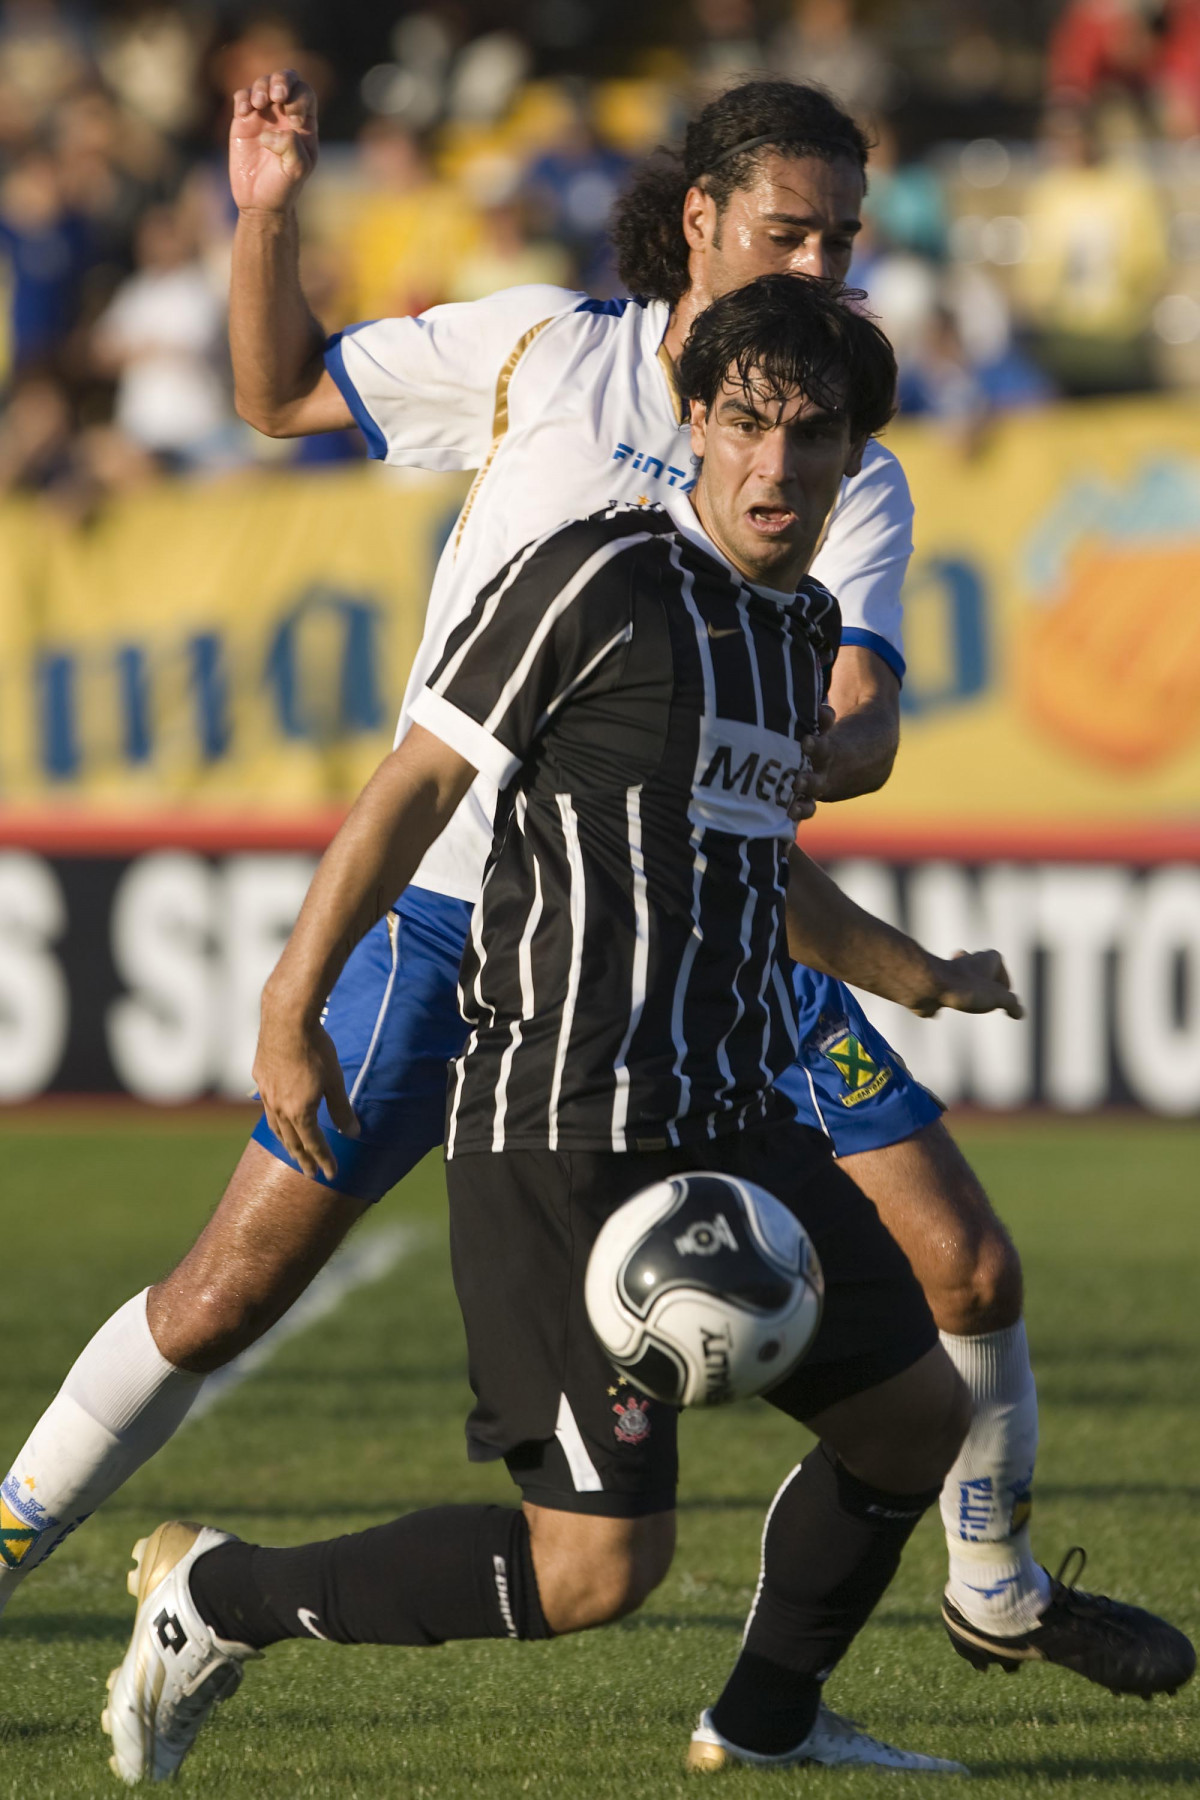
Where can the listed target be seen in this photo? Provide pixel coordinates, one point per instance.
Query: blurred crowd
(1033, 218)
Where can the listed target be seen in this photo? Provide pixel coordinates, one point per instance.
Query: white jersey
(564, 404)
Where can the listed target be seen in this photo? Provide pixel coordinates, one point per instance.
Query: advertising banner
(193, 686)
(1053, 638)
(138, 968)
(239, 645)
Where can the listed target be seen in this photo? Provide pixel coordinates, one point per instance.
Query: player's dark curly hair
(646, 226)
(793, 333)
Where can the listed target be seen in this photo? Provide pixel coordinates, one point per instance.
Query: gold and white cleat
(176, 1669)
(833, 1741)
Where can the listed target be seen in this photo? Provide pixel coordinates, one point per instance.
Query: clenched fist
(272, 142)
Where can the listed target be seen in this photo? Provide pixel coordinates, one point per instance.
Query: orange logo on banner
(1113, 669)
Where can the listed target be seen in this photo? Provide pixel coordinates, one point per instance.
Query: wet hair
(723, 149)
(789, 334)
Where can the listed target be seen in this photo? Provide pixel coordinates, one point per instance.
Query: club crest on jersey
(633, 1420)
(643, 463)
(863, 1076)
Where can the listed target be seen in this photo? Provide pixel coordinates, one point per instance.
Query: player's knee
(933, 1421)
(905, 1435)
(987, 1291)
(939, 1416)
(201, 1327)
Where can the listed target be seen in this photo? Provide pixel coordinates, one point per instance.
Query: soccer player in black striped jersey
(561, 402)
(638, 685)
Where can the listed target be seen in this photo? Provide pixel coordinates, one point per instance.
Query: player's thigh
(591, 1570)
(575, 1436)
(875, 1321)
(270, 1234)
(932, 1202)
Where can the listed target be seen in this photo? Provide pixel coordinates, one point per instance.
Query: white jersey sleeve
(865, 555)
(426, 390)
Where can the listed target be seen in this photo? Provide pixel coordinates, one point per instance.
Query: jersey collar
(687, 523)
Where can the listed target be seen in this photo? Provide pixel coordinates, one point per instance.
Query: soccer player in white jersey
(562, 404)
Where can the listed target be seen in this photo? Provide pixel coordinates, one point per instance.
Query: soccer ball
(704, 1289)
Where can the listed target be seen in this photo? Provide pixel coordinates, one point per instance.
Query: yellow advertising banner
(240, 646)
(1052, 627)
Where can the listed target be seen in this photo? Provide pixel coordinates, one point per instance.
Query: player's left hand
(811, 781)
(972, 981)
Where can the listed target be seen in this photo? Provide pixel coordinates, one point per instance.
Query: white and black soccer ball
(704, 1289)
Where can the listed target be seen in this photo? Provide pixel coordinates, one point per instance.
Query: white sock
(120, 1403)
(994, 1580)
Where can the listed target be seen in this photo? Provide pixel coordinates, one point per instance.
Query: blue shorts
(846, 1079)
(395, 1020)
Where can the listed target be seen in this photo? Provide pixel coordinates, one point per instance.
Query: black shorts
(575, 1435)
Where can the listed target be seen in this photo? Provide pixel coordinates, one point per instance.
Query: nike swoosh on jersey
(725, 631)
(309, 1621)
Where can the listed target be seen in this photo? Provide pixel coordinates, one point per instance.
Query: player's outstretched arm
(281, 384)
(829, 932)
(403, 808)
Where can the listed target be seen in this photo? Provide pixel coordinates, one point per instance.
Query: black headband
(771, 137)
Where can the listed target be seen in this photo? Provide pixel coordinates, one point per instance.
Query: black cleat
(1120, 1647)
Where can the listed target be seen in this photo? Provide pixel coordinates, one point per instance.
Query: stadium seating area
(1034, 215)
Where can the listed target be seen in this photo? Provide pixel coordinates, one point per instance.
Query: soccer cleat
(833, 1741)
(175, 1669)
(1120, 1647)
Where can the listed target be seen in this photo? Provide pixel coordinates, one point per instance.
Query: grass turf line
(362, 1419)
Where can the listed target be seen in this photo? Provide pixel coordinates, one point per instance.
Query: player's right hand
(294, 1070)
(971, 981)
(272, 142)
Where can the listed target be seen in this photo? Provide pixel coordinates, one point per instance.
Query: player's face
(771, 471)
(799, 216)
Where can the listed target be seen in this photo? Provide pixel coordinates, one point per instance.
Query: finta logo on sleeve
(653, 466)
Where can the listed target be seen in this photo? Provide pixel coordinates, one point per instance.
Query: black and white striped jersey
(639, 706)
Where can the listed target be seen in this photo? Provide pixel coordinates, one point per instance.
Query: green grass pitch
(360, 1418)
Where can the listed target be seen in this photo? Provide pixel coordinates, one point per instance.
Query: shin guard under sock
(831, 1546)
(447, 1572)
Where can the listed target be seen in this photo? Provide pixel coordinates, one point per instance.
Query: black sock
(448, 1572)
(830, 1549)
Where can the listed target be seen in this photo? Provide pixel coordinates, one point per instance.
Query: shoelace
(1076, 1600)
(1062, 1579)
